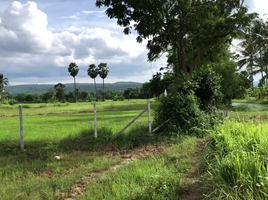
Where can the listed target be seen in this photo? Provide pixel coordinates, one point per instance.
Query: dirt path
(125, 158)
(192, 189)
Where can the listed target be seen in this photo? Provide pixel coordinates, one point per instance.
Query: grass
(251, 100)
(45, 108)
(155, 177)
(237, 158)
(34, 173)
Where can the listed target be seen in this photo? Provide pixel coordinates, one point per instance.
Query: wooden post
(21, 129)
(95, 119)
(149, 116)
(132, 121)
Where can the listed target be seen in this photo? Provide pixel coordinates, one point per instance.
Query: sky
(40, 38)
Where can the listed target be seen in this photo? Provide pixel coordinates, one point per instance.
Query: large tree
(73, 70)
(60, 91)
(181, 26)
(103, 72)
(93, 73)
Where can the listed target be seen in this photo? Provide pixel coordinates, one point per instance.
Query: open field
(89, 166)
(48, 108)
(135, 165)
(251, 100)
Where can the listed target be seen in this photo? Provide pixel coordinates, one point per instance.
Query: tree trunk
(251, 71)
(75, 96)
(96, 90)
(181, 56)
(103, 98)
(266, 70)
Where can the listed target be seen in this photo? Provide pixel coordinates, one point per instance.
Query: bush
(12, 102)
(208, 87)
(180, 111)
(26, 106)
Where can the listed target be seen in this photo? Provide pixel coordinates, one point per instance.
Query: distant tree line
(154, 88)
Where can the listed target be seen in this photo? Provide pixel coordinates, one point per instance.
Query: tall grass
(237, 159)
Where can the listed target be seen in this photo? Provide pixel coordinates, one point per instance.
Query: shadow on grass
(83, 141)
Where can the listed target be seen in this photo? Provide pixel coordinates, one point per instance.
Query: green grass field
(50, 130)
(135, 165)
(251, 100)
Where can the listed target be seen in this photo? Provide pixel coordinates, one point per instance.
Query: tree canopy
(182, 26)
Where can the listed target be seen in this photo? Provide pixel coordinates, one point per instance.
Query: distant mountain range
(87, 87)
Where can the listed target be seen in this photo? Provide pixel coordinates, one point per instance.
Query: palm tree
(73, 70)
(103, 72)
(93, 73)
(262, 64)
(259, 30)
(3, 82)
(250, 50)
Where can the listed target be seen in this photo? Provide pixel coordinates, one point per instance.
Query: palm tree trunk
(251, 71)
(266, 70)
(96, 90)
(75, 97)
(103, 98)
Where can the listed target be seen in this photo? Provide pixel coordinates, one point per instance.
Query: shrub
(208, 87)
(180, 111)
(26, 106)
(12, 102)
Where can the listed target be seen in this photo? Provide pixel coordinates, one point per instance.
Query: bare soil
(125, 158)
(192, 190)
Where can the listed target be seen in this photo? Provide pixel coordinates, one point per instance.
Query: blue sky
(38, 40)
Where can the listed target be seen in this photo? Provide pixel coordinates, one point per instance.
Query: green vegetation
(88, 87)
(251, 100)
(73, 70)
(154, 177)
(62, 158)
(85, 162)
(237, 157)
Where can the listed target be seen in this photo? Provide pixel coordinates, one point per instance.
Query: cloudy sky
(39, 39)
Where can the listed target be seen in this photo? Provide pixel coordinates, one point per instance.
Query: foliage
(208, 89)
(180, 111)
(103, 72)
(180, 25)
(156, 86)
(60, 91)
(233, 83)
(39, 89)
(93, 73)
(3, 82)
(73, 70)
(254, 56)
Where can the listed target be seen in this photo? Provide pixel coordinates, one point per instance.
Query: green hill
(87, 87)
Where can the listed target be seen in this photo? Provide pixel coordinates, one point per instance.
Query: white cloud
(93, 11)
(31, 50)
